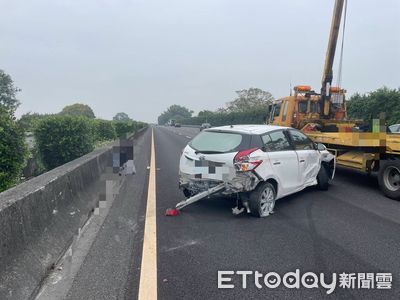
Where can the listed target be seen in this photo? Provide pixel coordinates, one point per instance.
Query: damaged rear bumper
(241, 182)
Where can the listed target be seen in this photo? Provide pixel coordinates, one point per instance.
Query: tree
(175, 112)
(253, 99)
(8, 93)
(78, 109)
(370, 105)
(12, 140)
(12, 149)
(121, 116)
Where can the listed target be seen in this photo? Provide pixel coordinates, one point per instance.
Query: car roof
(249, 129)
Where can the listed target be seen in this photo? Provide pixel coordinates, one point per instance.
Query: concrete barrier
(40, 218)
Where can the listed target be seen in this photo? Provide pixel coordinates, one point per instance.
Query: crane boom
(330, 54)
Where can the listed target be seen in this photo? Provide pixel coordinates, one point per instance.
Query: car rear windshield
(219, 142)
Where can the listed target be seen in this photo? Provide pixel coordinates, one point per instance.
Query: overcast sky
(141, 56)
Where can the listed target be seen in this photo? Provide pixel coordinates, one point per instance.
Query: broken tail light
(244, 163)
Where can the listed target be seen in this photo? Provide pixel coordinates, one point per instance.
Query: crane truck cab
(294, 110)
(303, 110)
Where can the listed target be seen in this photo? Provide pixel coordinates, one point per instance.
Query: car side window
(276, 141)
(256, 142)
(301, 141)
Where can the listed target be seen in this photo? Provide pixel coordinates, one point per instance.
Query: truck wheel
(389, 179)
(323, 179)
(262, 200)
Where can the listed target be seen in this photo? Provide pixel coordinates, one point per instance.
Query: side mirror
(320, 146)
(264, 149)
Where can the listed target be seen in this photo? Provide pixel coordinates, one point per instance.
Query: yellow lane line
(148, 272)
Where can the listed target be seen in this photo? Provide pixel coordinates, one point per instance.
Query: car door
(308, 156)
(284, 162)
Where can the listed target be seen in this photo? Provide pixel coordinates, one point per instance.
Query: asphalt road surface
(351, 228)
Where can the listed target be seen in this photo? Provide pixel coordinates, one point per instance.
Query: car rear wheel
(262, 200)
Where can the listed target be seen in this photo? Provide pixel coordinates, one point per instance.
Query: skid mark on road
(148, 273)
(183, 245)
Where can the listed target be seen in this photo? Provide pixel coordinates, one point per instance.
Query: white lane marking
(148, 272)
(189, 137)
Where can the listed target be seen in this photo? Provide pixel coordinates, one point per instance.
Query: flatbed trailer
(367, 152)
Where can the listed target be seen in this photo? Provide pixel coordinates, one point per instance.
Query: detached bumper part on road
(195, 198)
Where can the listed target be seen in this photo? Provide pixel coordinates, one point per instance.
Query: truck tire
(389, 178)
(323, 179)
(262, 200)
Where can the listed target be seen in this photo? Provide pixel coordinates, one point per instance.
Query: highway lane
(350, 228)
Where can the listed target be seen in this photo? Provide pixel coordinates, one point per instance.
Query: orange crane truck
(357, 144)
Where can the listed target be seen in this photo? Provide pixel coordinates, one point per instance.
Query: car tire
(262, 200)
(323, 179)
(389, 178)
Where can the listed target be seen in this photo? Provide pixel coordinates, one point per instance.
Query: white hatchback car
(260, 163)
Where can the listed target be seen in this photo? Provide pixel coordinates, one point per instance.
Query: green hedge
(61, 139)
(220, 119)
(123, 128)
(104, 130)
(12, 151)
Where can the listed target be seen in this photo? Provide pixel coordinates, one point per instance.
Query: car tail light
(244, 163)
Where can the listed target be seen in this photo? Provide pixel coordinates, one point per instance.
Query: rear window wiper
(208, 152)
